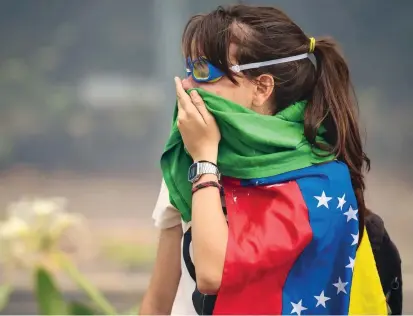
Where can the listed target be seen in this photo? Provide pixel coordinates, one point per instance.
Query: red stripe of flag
(268, 230)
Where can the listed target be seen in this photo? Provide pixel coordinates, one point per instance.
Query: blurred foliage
(129, 255)
(5, 291)
(31, 238)
(49, 298)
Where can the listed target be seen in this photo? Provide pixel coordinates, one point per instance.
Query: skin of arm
(164, 282)
(201, 136)
(209, 236)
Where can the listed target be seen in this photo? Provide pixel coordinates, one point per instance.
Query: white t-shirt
(167, 216)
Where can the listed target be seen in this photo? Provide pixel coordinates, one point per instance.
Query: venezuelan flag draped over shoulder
(292, 218)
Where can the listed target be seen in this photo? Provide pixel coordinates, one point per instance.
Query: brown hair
(266, 33)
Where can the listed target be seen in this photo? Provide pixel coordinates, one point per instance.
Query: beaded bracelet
(207, 184)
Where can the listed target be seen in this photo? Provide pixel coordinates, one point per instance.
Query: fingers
(199, 104)
(183, 99)
(186, 110)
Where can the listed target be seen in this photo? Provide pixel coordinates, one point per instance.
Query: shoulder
(165, 215)
(327, 185)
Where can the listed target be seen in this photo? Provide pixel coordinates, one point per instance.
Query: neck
(264, 110)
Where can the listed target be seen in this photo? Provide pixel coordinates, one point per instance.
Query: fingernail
(194, 93)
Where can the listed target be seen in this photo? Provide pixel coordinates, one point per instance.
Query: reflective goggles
(202, 70)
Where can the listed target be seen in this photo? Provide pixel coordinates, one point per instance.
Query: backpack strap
(388, 263)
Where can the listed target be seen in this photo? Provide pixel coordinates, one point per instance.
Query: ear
(264, 88)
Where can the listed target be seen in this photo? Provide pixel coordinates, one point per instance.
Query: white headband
(238, 68)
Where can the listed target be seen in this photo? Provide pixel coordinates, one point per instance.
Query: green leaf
(5, 291)
(91, 291)
(49, 299)
(77, 308)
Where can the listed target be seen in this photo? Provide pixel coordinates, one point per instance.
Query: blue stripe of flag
(318, 279)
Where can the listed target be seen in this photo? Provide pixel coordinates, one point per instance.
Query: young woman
(272, 111)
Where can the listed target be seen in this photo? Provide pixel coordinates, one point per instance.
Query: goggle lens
(200, 69)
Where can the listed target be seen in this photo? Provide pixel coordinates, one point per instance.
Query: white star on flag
(321, 300)
(340, 286)
(341, 202)
(351, 264)
(298, 307)
(351, 214)
(323, 199)
(355, 239)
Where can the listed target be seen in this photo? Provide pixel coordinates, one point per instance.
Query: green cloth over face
(252, 146)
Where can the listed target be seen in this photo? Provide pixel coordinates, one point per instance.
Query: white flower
(64, 221)
(43, 207)
(20, 209)
(13, 227)
(35, 227)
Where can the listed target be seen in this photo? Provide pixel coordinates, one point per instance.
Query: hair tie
(312, 45)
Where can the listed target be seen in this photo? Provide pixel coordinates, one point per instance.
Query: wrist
(206, 157)
(206, 177)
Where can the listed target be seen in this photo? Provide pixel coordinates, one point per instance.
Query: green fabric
(252, 146)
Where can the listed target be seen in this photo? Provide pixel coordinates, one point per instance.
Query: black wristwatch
(199, 168)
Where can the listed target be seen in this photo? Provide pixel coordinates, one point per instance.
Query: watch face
(192, 172)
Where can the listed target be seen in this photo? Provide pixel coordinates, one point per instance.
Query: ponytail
(333, 104)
